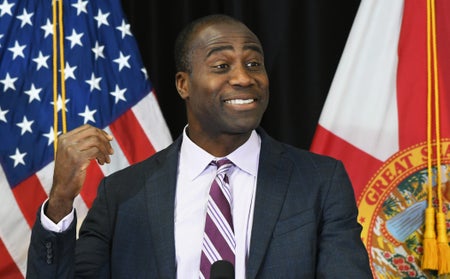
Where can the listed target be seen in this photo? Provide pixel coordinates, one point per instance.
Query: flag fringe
(430, 250)
(443, 248)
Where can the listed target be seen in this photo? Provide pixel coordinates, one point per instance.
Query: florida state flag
(387, 117)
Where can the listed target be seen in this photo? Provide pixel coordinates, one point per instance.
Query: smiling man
(224, 190)
(224, 83)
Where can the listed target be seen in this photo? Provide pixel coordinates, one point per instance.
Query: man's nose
(240, 76)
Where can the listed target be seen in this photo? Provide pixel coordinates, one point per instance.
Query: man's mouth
(240, 101)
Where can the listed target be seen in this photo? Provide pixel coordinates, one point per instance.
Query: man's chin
(244, 129)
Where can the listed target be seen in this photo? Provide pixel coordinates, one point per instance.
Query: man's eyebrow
(229, 47)
(253, 47)
(218, 49)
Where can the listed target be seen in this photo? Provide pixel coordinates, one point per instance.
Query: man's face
(227, 91)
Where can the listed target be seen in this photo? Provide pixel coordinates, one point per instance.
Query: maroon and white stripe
(218, 242)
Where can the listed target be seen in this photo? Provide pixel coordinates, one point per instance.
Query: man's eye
(221, 66)
(253, 64)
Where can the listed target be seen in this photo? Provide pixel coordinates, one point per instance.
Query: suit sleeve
(61, 255)
(50, 254)
(341, 251)
(92, 251)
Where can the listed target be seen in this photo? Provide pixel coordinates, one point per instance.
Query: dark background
(302, 39)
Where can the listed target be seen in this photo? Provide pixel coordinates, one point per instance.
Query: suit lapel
(160, 193)
(271, 189)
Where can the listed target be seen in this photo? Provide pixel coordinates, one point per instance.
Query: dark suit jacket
(304, 223)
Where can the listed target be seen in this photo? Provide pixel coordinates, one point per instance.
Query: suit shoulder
(154, 161)
(133, 177)
(295, 154)
(137, 169)
(302, 154)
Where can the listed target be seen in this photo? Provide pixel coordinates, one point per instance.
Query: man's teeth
(239, 101)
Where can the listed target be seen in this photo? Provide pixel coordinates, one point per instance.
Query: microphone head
(222, 270)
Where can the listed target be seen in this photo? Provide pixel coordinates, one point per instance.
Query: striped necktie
(218, 240)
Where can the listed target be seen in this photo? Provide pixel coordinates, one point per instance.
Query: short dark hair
(182, 49)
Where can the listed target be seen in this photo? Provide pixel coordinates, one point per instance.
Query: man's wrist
(57, 209)
(50, 225)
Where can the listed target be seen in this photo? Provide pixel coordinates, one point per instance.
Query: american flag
(106, 85)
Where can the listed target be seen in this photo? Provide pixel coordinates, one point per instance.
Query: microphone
(222, 270)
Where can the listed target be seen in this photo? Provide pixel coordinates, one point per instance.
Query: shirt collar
(194, 160)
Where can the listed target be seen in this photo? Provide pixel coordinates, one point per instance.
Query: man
(294, 212)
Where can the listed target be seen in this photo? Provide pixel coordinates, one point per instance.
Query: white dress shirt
(194, 180)
(192, 191)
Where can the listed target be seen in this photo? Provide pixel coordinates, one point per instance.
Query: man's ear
(182, 84)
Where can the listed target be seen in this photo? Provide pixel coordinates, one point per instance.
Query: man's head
(182, 49)
(221, 76)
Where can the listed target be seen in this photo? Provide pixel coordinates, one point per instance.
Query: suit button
(48, 245)
(49, 257)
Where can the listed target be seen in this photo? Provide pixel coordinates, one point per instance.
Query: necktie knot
(223, 165)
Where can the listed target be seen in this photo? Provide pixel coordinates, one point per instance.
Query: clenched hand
(75, 151)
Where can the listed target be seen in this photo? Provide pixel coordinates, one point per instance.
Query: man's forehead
(226, 36)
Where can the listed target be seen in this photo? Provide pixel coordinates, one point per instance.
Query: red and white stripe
(138, 134)
(359, 118)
